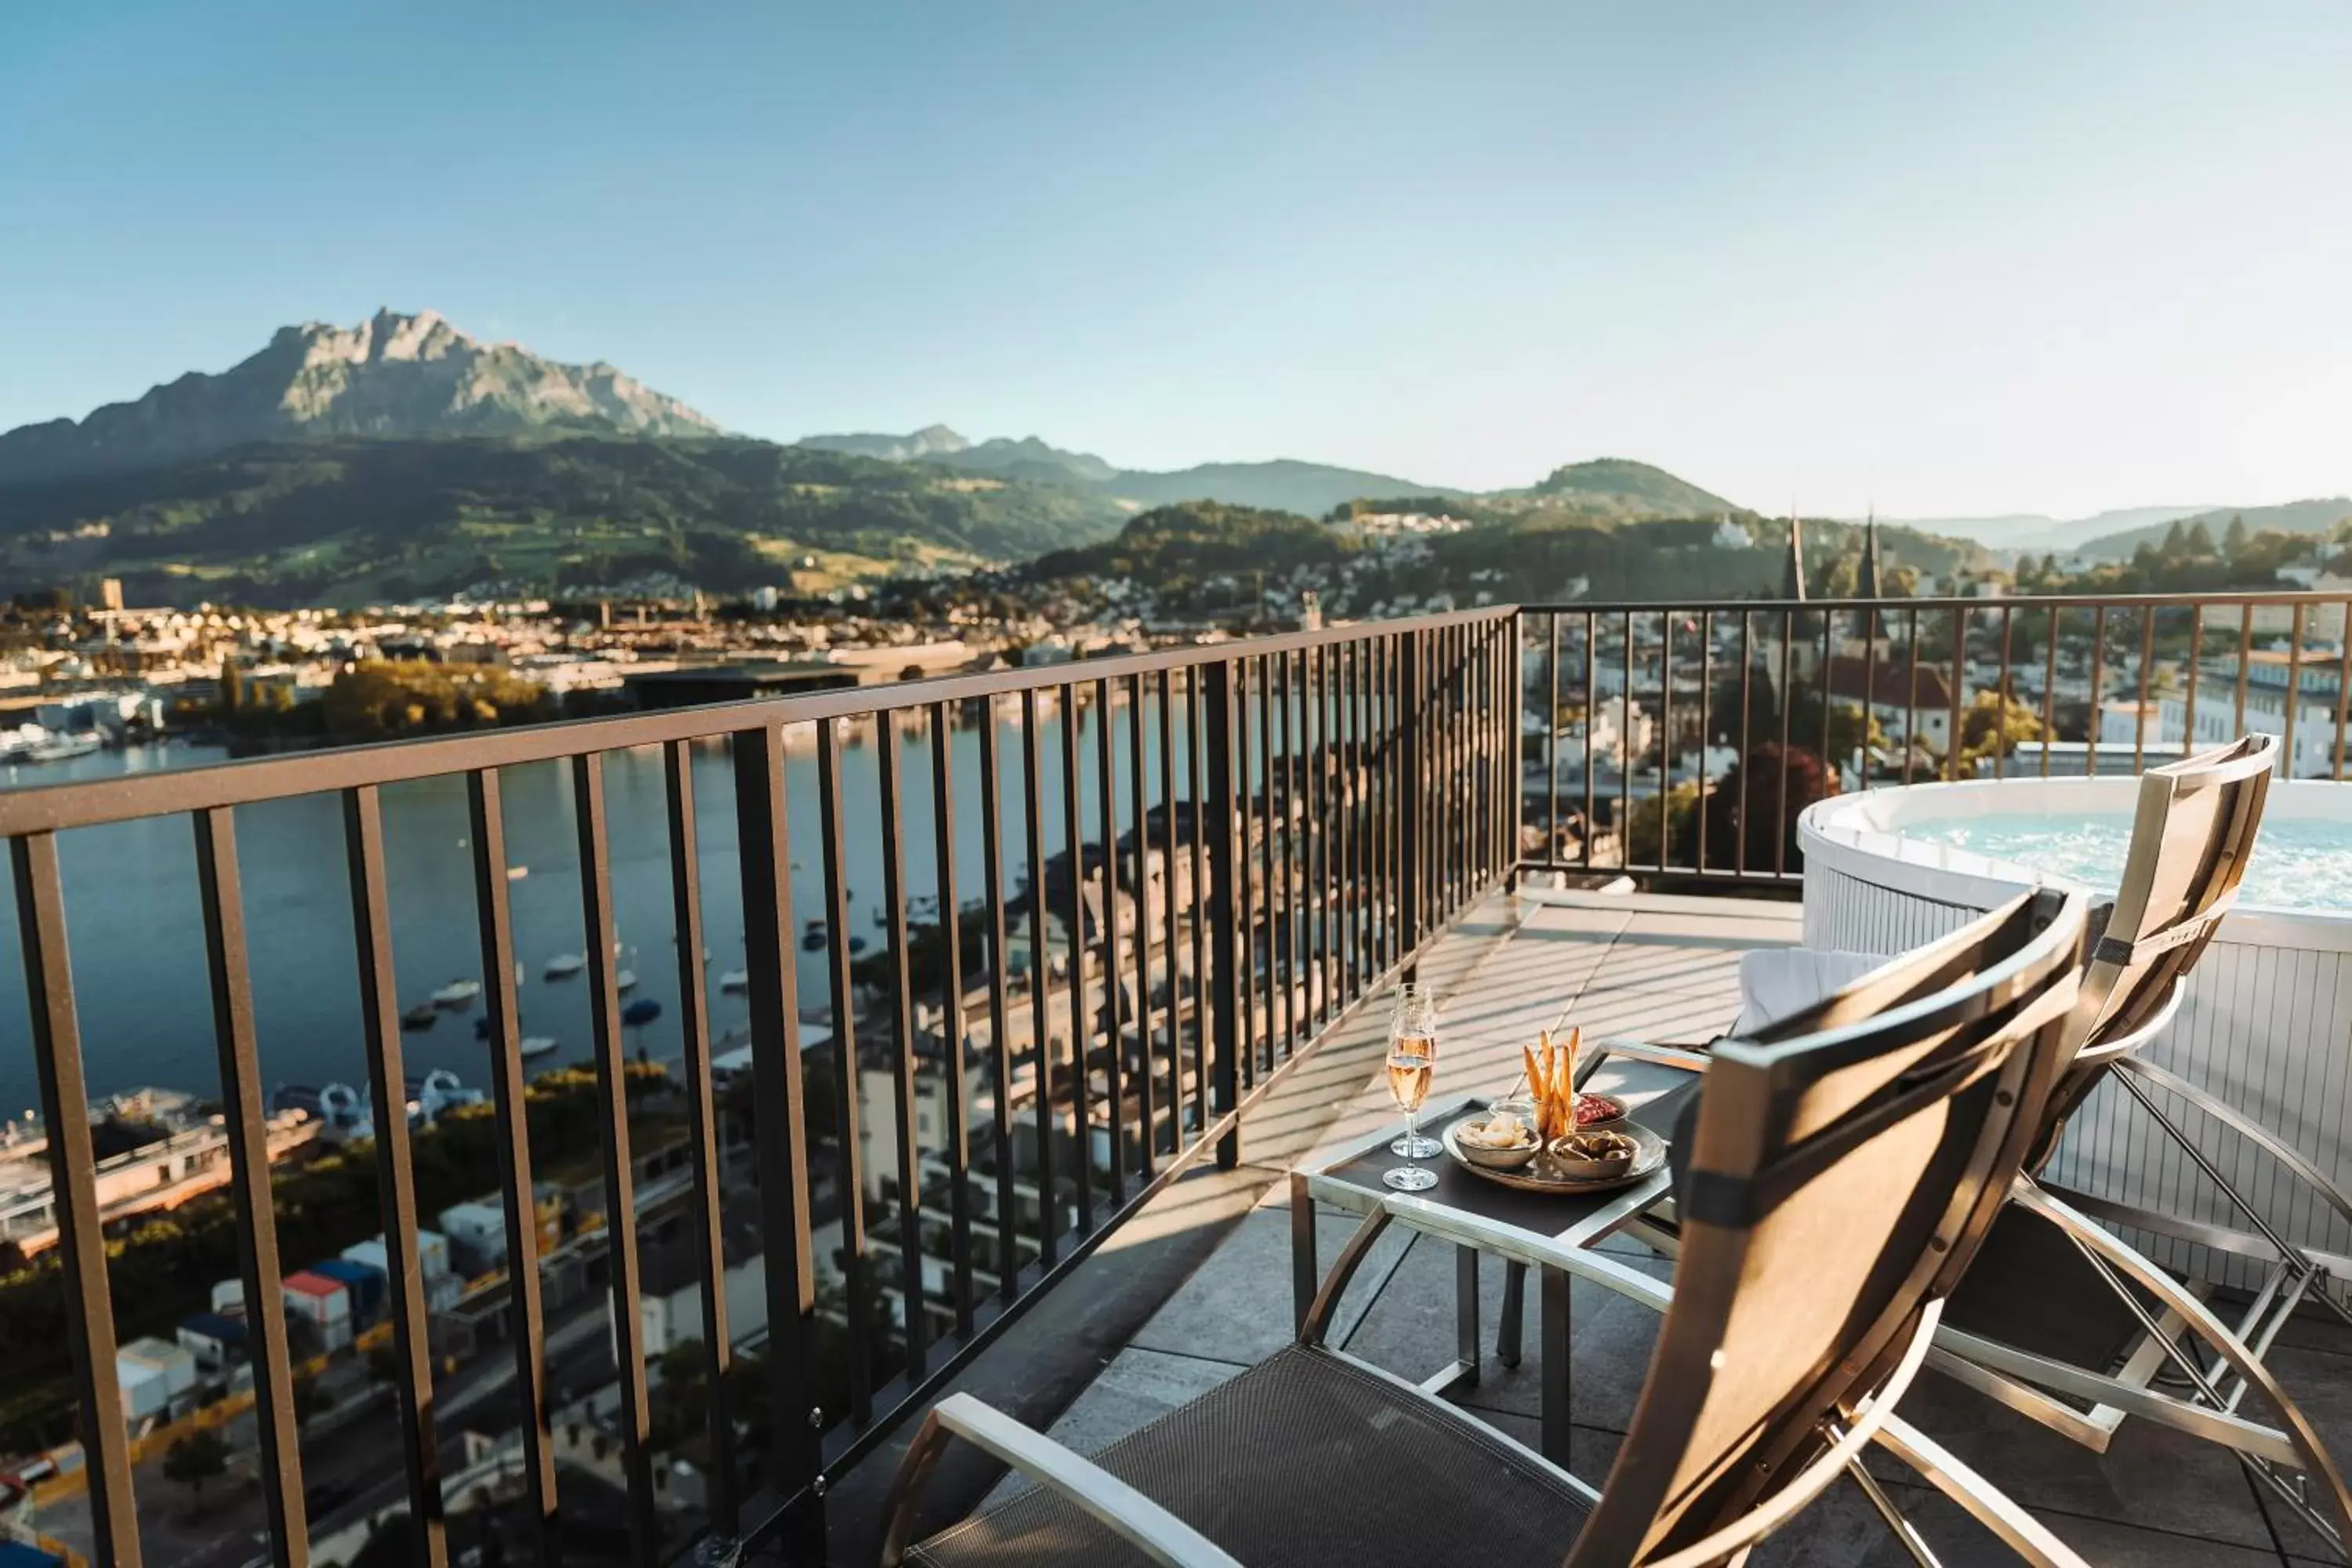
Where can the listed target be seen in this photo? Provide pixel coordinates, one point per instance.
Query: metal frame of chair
(2191, 837)
(1855, 1167)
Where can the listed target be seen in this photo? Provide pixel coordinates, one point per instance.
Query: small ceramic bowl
(1509, 1159)
(1514, 1105)
(1592, 1156)
(1598, 1111)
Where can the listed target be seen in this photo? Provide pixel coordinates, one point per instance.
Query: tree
(1851, 728)
(2176, 541)
(375, 698)
(390, 1544)
(1747, 806)
(198, 1457)
(1680, 806)
(309, 1398)
(2235, 538)
(1990, 726)
(232, 688)
(682, 1362)
(2201, 538)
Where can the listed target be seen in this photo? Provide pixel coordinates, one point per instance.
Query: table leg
(1305, 1273)
(1465, 1312)
(1462, 1371)
(1508, 1339)
(1554, 1305)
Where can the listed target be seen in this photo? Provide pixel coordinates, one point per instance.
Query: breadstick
(1550, 1104)
(1535, 1079)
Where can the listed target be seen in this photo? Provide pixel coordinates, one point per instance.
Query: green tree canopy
(376, 699)
(200, 1457)
(1990, 726)
(1750, 803)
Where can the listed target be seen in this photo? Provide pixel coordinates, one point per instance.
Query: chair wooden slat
(1845, 1167)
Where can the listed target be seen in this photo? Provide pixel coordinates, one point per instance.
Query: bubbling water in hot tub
(2299, 863)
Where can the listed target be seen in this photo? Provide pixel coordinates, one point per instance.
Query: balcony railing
(1262, 835)
(1680, 734)
(1207, 856)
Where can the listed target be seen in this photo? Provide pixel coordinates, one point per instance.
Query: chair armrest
(2017, 1530)
(2114, 1255)
(1680, 1056)
(1525, 1247)
(2238, 1122)
(1111, 1502)
(1730, 1542)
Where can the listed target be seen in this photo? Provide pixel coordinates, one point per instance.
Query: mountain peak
(1621, 480)
(393, 374)
(930, 441)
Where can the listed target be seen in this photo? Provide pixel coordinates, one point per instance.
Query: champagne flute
(1412, 1062)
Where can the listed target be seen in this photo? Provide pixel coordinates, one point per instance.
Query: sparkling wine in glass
(1412, 1036)
(1413, 1061)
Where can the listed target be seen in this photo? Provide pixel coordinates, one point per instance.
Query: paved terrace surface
(1664, 970)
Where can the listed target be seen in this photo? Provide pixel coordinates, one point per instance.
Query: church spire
(1793, 570)
(1866, 580)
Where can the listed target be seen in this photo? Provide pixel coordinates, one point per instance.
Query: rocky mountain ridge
(392, 375)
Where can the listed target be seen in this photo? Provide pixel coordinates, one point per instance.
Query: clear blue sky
(1962, 258)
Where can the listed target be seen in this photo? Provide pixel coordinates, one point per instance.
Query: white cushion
(1775, 982)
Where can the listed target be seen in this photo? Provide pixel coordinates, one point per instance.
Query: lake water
(138, 943)
(2299, 863)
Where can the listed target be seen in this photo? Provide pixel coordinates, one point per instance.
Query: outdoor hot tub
(2267, 1021)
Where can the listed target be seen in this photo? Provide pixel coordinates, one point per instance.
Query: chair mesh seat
(1304, 1461)
(2032, 1289)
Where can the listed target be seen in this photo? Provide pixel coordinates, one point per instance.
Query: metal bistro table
(1653, 1092)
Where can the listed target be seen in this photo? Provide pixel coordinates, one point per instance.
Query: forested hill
(1623, 487)
(346, 520)
(1184, 551)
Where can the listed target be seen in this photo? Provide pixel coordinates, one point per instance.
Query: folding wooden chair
(2066, 1322)
(2059, 1318)
(1841, 1179)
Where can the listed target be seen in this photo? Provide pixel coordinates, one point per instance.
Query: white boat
(565, 964)
(61, 748)
(517, 873)
(457, 993)
(531, 1045)
(735, 980)
(626, 981)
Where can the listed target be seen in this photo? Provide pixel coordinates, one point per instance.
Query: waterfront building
(324, 1303)
(192, 1160)
(2316, 680)
(158, 1378)
(216, 1339)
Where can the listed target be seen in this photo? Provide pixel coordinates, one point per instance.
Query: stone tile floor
(1664, 970)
